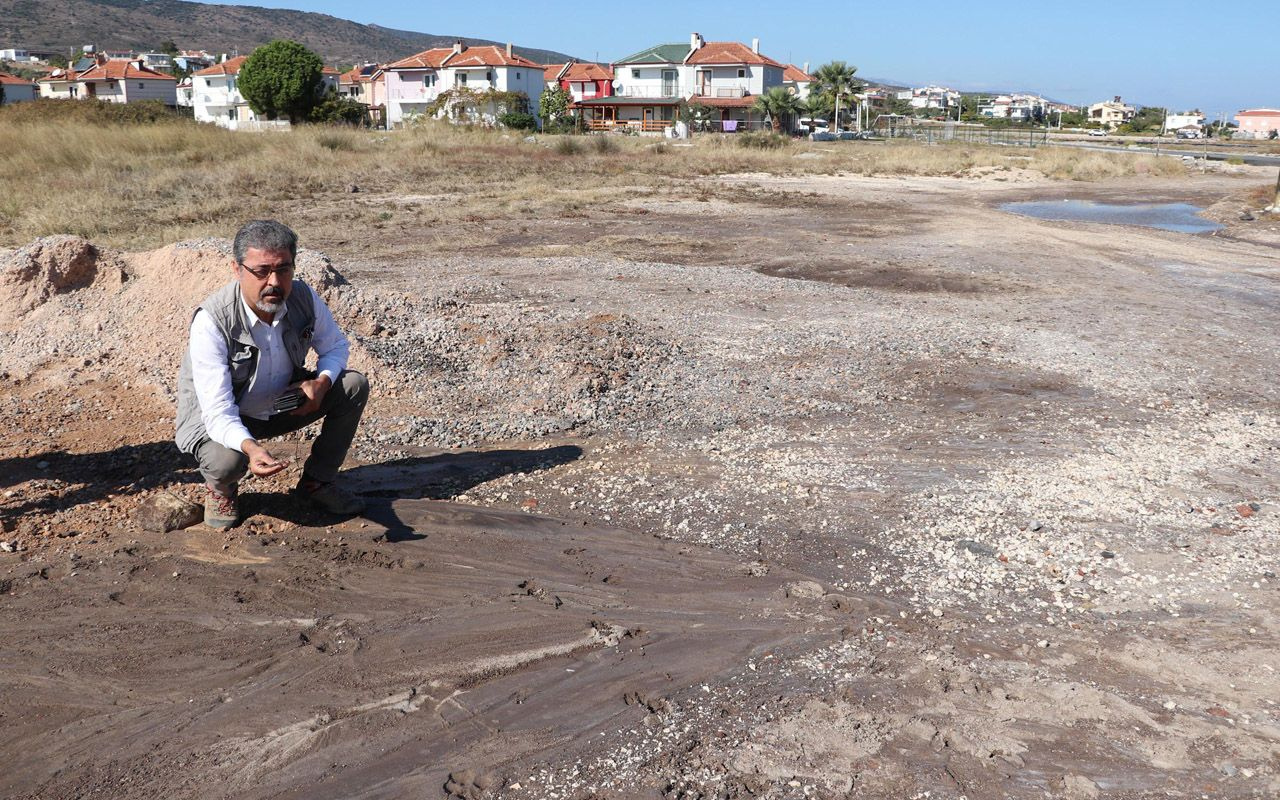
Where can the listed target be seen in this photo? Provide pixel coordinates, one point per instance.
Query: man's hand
(314, 390)
(261, 463)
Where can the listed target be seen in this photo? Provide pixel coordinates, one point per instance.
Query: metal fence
(905, 128)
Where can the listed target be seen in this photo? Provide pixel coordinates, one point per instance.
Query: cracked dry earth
(866, 489)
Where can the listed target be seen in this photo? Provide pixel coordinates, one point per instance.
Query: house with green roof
(651, 85)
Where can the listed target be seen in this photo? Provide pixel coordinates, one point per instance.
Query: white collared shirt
(212, 377)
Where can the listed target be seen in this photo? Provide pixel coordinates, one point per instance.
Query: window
(517, 76)
(460, 79)
(488, 76)
(635, 73)
(742, 73)
(140, 86)
(428, 81)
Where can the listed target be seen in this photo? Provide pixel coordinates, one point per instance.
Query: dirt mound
(49, 266)
(67, 305)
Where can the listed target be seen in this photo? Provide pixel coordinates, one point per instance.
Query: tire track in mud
(324, 659)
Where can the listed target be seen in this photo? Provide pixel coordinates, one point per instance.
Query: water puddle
(1179, 217)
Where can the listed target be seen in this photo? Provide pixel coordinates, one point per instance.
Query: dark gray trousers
(341, 411)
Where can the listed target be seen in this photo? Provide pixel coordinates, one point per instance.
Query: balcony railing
(669, 91)
(722, 91)
(645, 126)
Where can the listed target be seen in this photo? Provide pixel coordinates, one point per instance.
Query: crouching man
(244, 378)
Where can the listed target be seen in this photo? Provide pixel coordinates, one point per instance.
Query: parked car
(1188, 133)
(1098, 132)
(815, 125)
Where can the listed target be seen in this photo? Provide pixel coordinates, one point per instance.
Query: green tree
(168, 46)
(698, 116)
(815, 106)
(281, 79)
(334, 109)
(777, 104)
(554, 103)
(836, 81)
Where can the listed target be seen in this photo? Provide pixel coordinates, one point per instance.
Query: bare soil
(783, 487)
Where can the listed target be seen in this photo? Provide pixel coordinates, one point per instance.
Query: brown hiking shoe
(329, 497)
(220, 510)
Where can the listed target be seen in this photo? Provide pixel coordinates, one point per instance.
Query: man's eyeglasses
(261, 273)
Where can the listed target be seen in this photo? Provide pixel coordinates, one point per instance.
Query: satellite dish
(617, 84)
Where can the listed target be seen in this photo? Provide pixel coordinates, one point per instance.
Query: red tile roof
(361, 73)
(14, 80)
(1260, 112)
(440, 57)
(229, 67)
(588, 72)
(490, 56)
(58, 75)
(794, 73)
(729, 53)
(427, 59)
(117, 70)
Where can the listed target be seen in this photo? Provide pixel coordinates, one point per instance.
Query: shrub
(518, 120)
(92, 112)
(604, 144)
(762, 140)
(336, 110)
(567, 147)
(561, 125)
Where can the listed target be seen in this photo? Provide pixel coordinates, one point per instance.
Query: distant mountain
(143, 24)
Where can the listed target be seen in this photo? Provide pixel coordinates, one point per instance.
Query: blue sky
(1171, 53)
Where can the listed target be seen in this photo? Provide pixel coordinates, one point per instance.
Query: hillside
(144, 24)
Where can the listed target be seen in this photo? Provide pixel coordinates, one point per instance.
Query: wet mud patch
(331, 659)
(907, 279)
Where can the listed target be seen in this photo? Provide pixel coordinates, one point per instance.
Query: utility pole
(1275, 204)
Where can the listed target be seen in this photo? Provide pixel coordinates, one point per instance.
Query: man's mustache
(272, 293)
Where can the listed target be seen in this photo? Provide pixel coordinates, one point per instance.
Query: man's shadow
(91, 477)
(130, 468)
(438, 477)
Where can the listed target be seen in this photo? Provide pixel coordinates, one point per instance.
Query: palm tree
(816, 105)
(776, 102)
(835, 80)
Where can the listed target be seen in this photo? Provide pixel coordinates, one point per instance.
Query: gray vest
(232, 320)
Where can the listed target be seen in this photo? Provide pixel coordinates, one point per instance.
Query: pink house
(1258, 123)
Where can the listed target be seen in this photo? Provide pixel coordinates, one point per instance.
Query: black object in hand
(289, 401)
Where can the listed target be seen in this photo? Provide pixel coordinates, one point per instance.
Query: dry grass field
(141, 185)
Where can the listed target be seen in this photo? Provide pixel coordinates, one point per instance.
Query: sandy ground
(778, 487)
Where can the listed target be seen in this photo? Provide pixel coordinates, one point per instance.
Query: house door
(647, 120)
(704, 83)
(91, 90)
(669, 83)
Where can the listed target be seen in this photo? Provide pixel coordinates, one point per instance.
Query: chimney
(755, 46)
(695, 41)
(805, 70)
(1117, 98)
(457, 48)
(508, 49)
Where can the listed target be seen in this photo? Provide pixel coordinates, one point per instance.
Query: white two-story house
(650, 86)
(415, 85)
(117, 81)
(216, 98)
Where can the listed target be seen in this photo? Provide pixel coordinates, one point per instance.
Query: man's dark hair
(264, 234)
